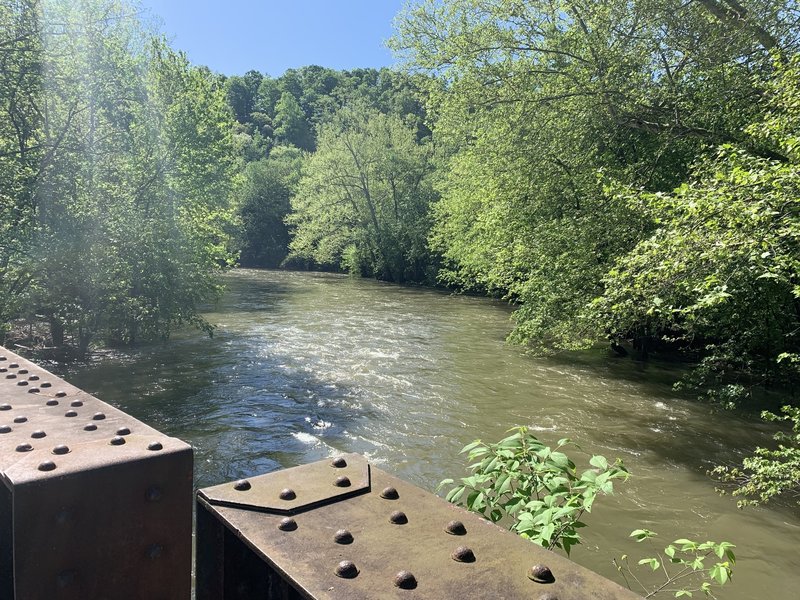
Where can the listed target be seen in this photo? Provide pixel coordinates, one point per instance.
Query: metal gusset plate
(395, 541)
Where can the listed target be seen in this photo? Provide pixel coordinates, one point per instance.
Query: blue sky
(234, 36)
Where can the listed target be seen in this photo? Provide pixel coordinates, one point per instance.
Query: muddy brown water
(303, 366)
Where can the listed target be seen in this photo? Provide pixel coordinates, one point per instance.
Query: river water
(306, 365)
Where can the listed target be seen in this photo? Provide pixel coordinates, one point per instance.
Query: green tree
(362, 204)
(290, 123)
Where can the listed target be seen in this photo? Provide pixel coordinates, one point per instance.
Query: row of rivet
(49, 465)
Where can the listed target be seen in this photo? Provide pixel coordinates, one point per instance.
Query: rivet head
(47, 384)
(13, 366)
(33, 390)
(123, 431)
(38, 434)
(98, 416)
(389, 493)
(90, 427)
(154, 494)
(52, 403)
(5, 429)
(117, 440)
(339, 462)
(26, 447)
(33, 378)
(463, 554)
(405, 580)
(20, 419)
(541, 574)
(242, 485)
(287, 524)
(343, 537)
(398, 517)
(155, 446)
(70, 413)
(61, 449)
(346, 569)
(5, 407)
(11, 376)
(456, 528)
(342, 481)
(59, 394)
(23, 371)
(76, 403)
(287, 494)
(22, 383)
(154, 551)
(47, 465)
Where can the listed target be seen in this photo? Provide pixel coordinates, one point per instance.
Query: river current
(303, 366)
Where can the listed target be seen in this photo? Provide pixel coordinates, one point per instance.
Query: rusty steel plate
(397, 541)
(295, 490)
(97, 503)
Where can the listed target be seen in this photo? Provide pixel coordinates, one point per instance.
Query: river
(306, 365)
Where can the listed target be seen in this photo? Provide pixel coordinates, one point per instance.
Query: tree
(362, 203)
(290, 124)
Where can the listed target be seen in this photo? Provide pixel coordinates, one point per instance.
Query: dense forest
(623, 172)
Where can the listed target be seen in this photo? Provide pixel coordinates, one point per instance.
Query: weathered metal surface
(298, 489)
(97, 503)
(393, 540)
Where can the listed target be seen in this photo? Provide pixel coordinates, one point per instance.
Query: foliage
(769, 473)
(537, 490)
(690, 573)
(362, 203)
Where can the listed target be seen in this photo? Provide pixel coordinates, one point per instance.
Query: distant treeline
(621, 171)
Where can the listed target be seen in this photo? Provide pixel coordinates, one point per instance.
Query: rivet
(154, 551)
(76, 403)
(339, 462)
(38, 434)
(23, 382)
(66, 578)
(61, 449)
(123, 431)
(389, 493)
(11, 376)
(463, 554)
(5, 429)
(2, 358)
(287, 524)
(343, 537)
(33, 390)
(242, 485)
(47, 465)
(5, 407)
(3, 370)
(117, 440)
(456, 528)
(20, 419)
(287, 494)
(541, 574)
(154, 494)
(52, 403)
(98, 416)
(13, 366)
(24, 447)
(405, 580)
(47, 384)
(33, 378)
(398, 517)
(155, 446)
(23, 371)
(58, 394)
(70, 413)
(342, 481)
(90, 427)
(346, 569)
